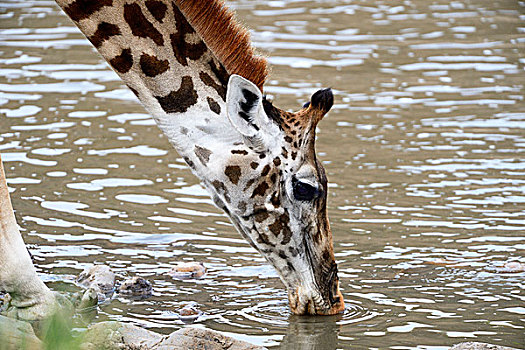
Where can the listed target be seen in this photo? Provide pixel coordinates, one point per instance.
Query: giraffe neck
(167, 64)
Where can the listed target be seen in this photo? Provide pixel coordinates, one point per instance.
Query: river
(424, 150)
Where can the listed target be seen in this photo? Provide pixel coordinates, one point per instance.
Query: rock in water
(88, 300)
(136, 287)
(508, 267)
(189, 313)
(479, 346)
(186, 270)
(100, 278)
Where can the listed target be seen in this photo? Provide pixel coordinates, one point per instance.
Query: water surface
(424, 150)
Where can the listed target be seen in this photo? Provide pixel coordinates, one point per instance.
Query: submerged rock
(508, 267)
(479, 346)
(189, 313)
(100, 278)
(186, 270)
(88, 300)
(136, 287)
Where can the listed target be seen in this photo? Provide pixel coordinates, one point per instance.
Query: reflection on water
(424, 151)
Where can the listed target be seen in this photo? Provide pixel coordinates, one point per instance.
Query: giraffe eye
(303, 191)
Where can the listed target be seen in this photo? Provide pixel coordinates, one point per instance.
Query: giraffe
(30, 297)
(193, 68)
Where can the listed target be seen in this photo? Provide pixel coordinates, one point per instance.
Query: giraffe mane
(226, 38)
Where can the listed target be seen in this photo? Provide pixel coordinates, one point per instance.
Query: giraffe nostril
(333, 282)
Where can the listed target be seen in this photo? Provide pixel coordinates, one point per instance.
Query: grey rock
(100, 278)
(88, 300)
(114, 335)
(197, 338)
(17, 335)
(479, 346)
(136, 287)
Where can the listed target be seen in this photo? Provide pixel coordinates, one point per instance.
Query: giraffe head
(274, 189)
(258, 162)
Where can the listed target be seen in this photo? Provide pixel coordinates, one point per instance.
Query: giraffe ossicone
(192, 67)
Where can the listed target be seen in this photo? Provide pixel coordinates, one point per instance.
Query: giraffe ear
(244, 107)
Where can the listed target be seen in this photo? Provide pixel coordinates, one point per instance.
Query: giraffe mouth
(306, 301)
(318, 293)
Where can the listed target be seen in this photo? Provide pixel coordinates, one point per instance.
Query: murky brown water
(424, 150)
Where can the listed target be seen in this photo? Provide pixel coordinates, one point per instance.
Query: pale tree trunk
(30, 297)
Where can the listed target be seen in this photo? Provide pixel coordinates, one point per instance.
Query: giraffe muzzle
(318, 296)
(305, 300)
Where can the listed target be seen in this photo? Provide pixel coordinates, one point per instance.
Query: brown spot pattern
(81, 9)
(249, 184)
(220, 72)
(123, 62)
(263, 239)
(276, 227)
(203, 154)
(157, 9)
(242, 206)
(214, 106)
(293, 251)
(219, 186)
(180, 100)
(139, 24)
(182, 49)
(208, 81)
(281, 225)
(287, 235)
(152, 66)
(233, 172)
(189, 162)
(275, 200)
(261, 216)
(254, 165)
(265, 170)
(104, 32)
(260, 190)
(242, 152)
